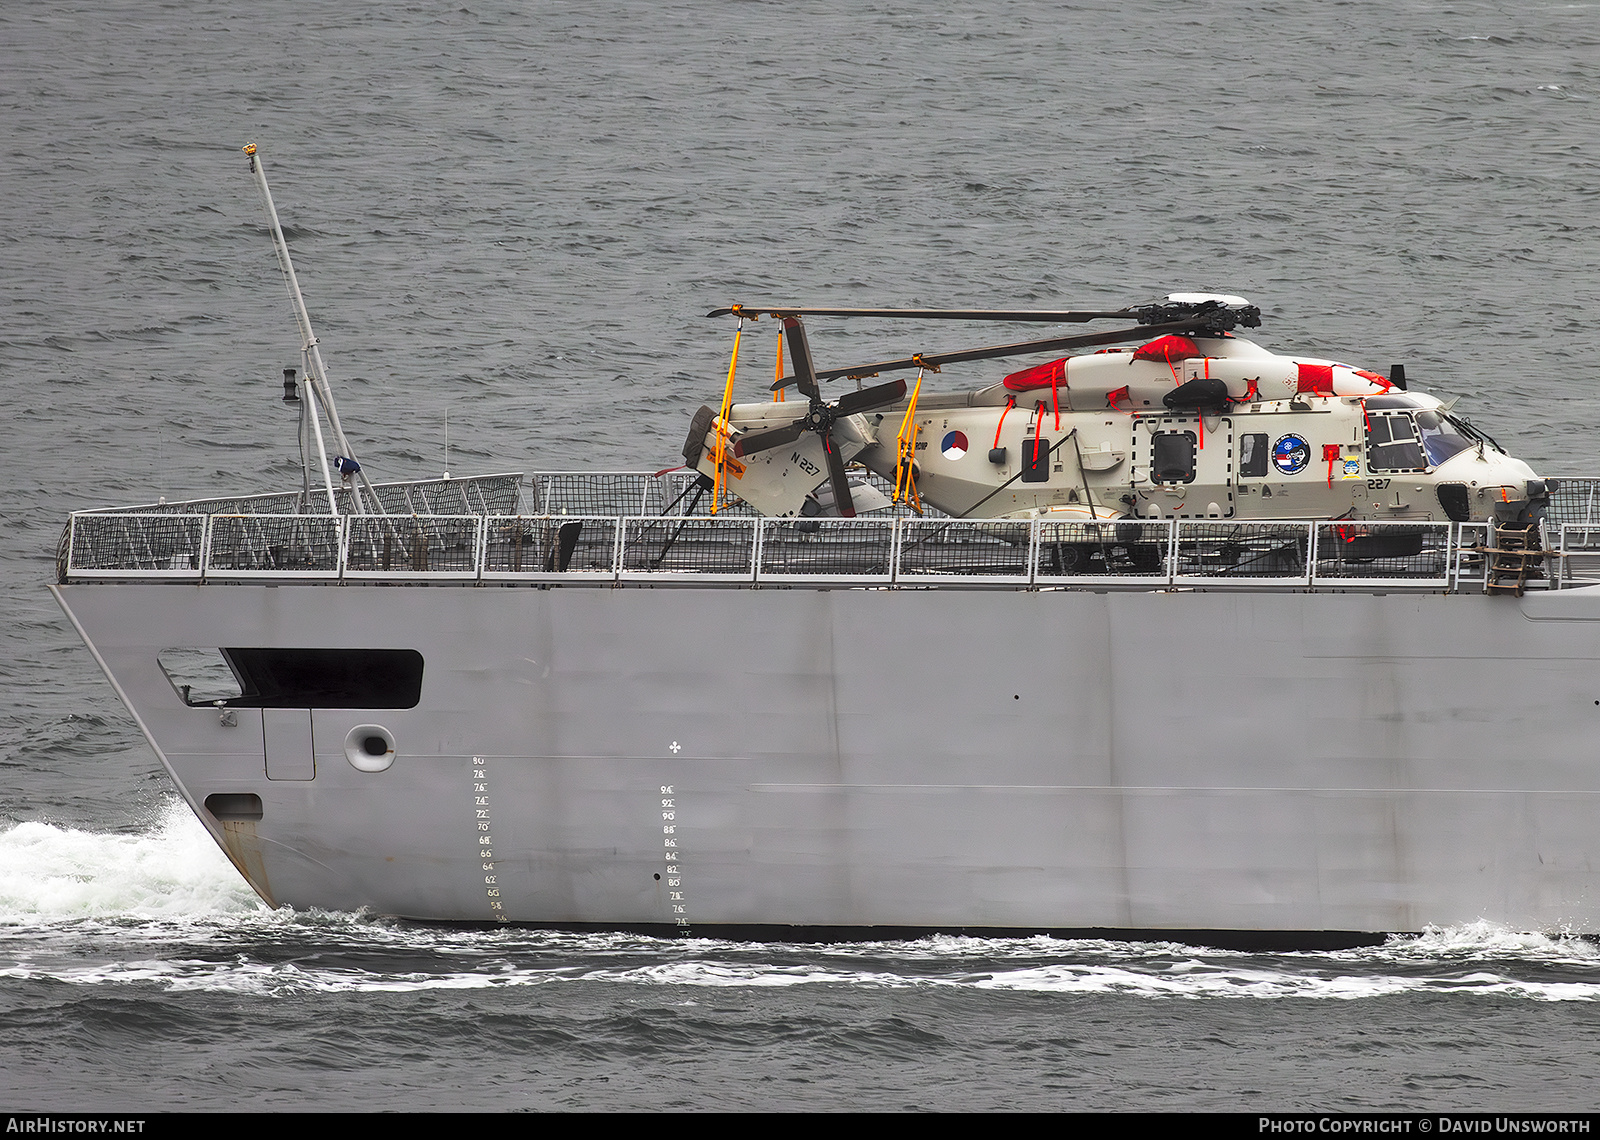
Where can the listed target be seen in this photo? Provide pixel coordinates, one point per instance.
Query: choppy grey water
(517, 214)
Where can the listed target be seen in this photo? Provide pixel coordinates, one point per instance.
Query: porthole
(369, 747)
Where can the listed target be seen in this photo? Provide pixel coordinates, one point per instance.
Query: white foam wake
(244, 954)
(1190, 979)
(171, 869)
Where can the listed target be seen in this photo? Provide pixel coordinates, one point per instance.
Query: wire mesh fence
(961, 550)
(679, 492)
(908, 551)
(1119, 550)
(1257, 552)
(566, 547)
(715, 549)
(273, 544)
(442, 545)
(1575, 501)
(593, 493)
(1418, 553)
(125, 543)
(805, 549)
(475, 494)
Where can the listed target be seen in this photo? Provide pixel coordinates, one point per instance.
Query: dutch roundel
(954, 445)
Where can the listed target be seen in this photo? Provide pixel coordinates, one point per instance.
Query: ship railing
(803, 550)
(1218, 553)
(1471, 570)
(564, 548)
(1571, 528)
(867, 551)
(976, 552)
(1577, 561)
(661, 549)
(125, 544)
(1574, 502)
(472, 494)
(598, 494)
(246, 546)
(1416, 555)
(615, 494)
(1121, 552)
(431, 547)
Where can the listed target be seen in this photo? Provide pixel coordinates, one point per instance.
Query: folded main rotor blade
(1039, 316)
(842, 501)
(852, 402)
(805, 371)
(935, 359)
(772, 437)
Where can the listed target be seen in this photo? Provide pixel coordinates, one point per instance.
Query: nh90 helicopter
(1191, 422)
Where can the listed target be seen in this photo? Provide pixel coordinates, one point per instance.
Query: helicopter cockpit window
(1392, 443)
(1172, 459)
(1440, 439)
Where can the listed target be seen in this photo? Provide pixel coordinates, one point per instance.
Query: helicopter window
(1392, 444)
(1253, 455)
(1440, 439)
(1172, 459)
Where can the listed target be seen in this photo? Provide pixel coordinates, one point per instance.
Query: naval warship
(1176, 636)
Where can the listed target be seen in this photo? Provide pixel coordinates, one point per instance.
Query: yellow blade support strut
(720, 454)
(777, 375)
(906, 444)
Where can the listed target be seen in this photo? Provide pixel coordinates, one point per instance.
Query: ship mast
(317, 386)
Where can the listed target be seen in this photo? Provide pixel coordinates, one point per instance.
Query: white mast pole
(322, 451)
(316, 371)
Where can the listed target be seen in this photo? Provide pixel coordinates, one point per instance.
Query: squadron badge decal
(1291, 454)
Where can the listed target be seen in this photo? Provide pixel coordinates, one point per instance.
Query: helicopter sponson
(1194, 423)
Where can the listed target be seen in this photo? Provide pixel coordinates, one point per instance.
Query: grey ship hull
(710, 759)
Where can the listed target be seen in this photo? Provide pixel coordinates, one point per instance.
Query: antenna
(447, 441)
(317, 388)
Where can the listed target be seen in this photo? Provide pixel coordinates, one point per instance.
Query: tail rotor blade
(762, 440)
(805, 371)
(852, 402)
(842, 500)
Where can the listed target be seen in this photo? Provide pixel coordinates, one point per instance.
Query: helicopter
(1173, 416)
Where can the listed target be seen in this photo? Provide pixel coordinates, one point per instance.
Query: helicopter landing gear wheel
(1074, 558)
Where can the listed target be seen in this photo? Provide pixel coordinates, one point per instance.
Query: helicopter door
(1189, 460)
